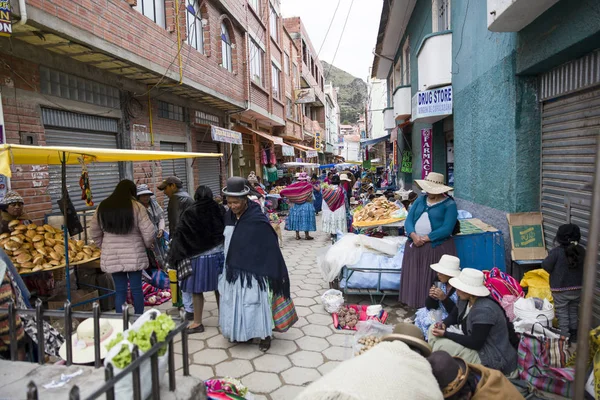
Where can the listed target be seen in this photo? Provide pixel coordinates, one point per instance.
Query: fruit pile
(34, 248)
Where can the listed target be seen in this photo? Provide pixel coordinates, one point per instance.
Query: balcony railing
(434, 58)
(402, 102)
(512, 16)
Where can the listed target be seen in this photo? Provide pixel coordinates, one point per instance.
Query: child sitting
(565, 266)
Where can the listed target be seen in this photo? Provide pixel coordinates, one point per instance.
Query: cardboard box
(527, 236)
(58, 301)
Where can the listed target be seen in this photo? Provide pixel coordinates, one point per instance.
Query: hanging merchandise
(273, 159)
(84, 184)
(263, 158)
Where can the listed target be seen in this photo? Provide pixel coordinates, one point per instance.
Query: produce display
(348, 316)
(277, 189)
(35, 248)
(378, 210)
(367, 342)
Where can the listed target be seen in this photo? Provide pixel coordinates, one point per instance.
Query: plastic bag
(538, 283)
(529, 309)
(332, 300)
(369, 328)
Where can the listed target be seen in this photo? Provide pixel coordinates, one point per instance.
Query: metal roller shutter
(68, 129)
(570, 129)
(176, 168)
(209, 169)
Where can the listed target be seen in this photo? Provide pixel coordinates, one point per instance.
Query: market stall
(44, 248)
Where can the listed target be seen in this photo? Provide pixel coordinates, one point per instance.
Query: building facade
(520, 94)
(332, 123)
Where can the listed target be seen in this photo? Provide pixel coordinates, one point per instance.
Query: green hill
(352, 93)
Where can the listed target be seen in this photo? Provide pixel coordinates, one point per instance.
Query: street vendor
(429, 227)
(13, 211)
(334, 208)
(302, 214)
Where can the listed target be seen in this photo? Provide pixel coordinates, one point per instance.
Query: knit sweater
(389, 371)
(442, 216)
(561, 276)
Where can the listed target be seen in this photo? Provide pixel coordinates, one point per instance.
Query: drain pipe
(23, 11)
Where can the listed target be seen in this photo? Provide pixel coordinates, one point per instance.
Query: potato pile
(347, 316)
(277, 189)
(377, 210)
(368, 342)
(34, 248)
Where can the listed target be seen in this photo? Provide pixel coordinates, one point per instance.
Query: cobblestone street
(308, 350)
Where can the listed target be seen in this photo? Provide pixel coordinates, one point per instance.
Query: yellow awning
(20, 154)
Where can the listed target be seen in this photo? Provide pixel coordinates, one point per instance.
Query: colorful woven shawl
(334, 197)
(298, 193)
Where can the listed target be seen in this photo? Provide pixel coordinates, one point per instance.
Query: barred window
(170, 111)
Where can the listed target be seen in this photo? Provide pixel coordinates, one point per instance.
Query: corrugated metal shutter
(209, 169)
(66, 129)
(570, 129)
(176, 168)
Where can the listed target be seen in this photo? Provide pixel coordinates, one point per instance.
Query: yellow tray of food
(371, 224)
(53, 268)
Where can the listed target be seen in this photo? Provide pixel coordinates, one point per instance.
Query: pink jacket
(125, 253)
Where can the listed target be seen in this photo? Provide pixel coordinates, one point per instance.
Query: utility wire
(330, 24)
(339, 41)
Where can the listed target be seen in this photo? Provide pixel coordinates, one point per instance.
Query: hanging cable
(330, 24)
(339, 41)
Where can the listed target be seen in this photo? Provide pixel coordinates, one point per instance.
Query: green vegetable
(115, 341)
(123, 357)
(162, 325)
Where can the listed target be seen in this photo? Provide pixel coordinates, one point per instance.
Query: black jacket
(177, 205)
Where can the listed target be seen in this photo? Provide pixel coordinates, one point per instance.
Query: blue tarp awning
(370, 142)
(327, 166)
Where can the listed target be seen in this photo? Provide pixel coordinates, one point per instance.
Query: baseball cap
(172, 180)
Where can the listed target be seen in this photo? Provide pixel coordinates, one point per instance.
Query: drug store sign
(432, 105)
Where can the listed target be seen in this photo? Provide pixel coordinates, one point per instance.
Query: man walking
(179, 201)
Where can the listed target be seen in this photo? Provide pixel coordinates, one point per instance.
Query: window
(170, 111)
(441, 15)
(274, 24)
(153, 9)
(289, 109)
(406, 63)
(286, 64)
(195, 32)
(256, 63)
(226, 59)
(203, 118)
(276, 73)
(255, 4)
(71, 87)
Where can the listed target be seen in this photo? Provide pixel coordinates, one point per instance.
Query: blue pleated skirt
(318, 200)
(301, 218)
(205, 277)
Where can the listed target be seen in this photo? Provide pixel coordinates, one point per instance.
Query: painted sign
(394, 161)
(5, 21)
(288, 151)
(304, 96)
(432, 103)
(311, 153)
(318, 141)
(426, 152)
(407, 166)
(219, 134)
(527, 236)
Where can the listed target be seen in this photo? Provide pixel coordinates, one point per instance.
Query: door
(209, 169)
(64, 128)
(570, 129)
(176, 168)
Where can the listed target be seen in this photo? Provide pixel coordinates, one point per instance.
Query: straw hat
(448, 265)
(236, 187)
(470, 281)
(83, 339)
(434, 183)
(344, 177)
(411, 335)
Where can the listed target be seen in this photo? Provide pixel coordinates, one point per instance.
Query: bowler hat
(236, 187)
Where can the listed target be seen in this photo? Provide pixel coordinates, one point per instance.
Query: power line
(340, 40)
(330, 24)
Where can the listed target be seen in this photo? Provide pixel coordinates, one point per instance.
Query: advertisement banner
(432, 103)
(311, 153)
(406, 165)
(5, 18)
(318, 141)
(223, 135)
(304, 96)
(426, 155)
(288, 151)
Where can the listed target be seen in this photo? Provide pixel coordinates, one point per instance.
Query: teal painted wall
(568, 30)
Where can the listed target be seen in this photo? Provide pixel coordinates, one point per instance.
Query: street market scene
(300, 200)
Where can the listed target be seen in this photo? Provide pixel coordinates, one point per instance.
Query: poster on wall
(288, 151)
(426, 152)
(450, 174)
(311, 153)
(407, 166)
(304, 96)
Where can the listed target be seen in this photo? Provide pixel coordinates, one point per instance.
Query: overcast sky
(355, 54)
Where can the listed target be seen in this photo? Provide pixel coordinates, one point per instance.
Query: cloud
(355, 54)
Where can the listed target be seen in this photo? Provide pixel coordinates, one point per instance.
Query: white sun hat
(470, 281)
(344, 177)
(448, 265)
(82, 340)
(434, 183)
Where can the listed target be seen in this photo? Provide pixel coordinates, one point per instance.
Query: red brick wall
(118, 23)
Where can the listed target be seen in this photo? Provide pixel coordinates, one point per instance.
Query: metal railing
(108, 388)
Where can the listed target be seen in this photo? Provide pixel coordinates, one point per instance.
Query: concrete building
(332, 121)
(377, 105)
(513, 85)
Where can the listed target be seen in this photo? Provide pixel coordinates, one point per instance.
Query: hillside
(352, 93)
